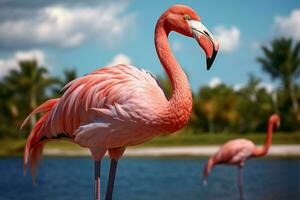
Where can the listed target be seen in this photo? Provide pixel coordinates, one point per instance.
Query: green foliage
(69, 75)
(165, 84)
(219, 109)
(216, 107)
(254, 107)
(21, 91)
(281, 60)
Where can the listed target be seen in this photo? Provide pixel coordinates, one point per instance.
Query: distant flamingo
(115, 107)
(236, 152)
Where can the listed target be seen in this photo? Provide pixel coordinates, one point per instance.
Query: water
(150, 178)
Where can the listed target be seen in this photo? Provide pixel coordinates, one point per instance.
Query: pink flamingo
(237, 151)
(115, 107)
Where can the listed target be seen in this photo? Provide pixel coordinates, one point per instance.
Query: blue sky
(89, 35)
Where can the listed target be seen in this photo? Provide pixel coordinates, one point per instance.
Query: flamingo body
(237, 151)
(111, 107)
(234, 152)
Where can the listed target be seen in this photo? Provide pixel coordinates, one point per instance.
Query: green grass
(15, 147)
(183, 138)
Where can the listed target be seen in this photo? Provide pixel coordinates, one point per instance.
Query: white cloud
(119, 59)
(214, 82)
(238, 87)
(228, 37)
(289, 26)
(12, 63)
(61, 26)
(262, 85)
(267, 86)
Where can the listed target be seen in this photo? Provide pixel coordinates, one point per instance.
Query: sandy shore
(276, 150)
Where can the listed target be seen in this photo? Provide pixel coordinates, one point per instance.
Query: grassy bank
(183, 138)
(186, 138)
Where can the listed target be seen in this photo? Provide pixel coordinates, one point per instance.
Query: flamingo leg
(97, 179)
(111, 180)
(240, 182)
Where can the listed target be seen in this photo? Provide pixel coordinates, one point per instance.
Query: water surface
(150, 178)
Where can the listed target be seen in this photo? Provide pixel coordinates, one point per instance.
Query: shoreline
(205, 151)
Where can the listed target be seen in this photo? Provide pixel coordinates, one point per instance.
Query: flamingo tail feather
(45, 107)
(35, 142)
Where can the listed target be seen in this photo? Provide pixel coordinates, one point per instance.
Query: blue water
(151, 178)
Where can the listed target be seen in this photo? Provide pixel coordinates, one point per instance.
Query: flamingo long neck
(264, 150)
(180, 103)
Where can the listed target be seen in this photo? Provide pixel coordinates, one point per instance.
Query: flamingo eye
(187, 17)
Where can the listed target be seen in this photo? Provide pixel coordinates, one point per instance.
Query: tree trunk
(275, 101)
(293, 97)
(211, 127)
(32, 106)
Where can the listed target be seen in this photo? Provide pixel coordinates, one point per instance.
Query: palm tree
(7, 106)
(69, 75)
(28, 85)
(282, 61)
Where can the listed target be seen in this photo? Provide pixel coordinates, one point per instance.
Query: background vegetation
(219, 109)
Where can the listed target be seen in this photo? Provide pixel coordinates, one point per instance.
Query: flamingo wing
(110, 107)
(234, 152)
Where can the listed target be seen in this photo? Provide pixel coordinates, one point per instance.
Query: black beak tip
(209, 61)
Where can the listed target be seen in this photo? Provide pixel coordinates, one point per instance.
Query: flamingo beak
(206, 40)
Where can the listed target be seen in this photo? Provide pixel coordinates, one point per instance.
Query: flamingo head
(275, 119)
(184, 20)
